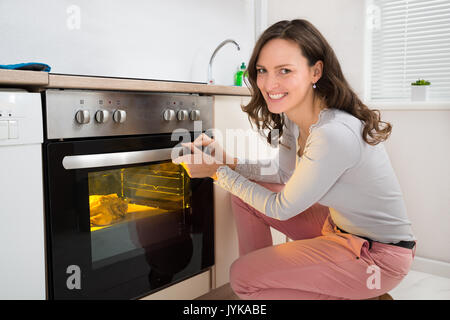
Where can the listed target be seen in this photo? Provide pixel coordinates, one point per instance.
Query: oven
(122, 220)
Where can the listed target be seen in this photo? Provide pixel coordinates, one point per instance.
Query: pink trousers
(320, 262)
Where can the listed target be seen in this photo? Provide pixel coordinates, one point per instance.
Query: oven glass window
(136, 210)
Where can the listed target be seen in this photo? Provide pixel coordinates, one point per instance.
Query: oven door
(122, 219)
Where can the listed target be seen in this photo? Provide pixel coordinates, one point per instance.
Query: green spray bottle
(239, 76)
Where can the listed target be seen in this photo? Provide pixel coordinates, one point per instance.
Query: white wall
(419, 152)
(149, 39)
(418, 146)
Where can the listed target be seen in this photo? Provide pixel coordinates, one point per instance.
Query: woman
(334, 194)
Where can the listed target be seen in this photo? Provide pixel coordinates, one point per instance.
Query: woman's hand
(201, 164)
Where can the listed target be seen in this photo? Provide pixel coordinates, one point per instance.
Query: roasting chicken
(106, 209)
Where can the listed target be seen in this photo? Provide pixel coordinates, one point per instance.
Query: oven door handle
(88, 161)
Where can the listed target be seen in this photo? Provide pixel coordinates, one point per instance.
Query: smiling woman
(302, 63)
(333, 192)
(286, 86)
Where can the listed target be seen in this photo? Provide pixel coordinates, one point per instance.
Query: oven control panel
(87, 113)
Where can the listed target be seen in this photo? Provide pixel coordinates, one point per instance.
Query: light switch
(3, 130)
(14, 129)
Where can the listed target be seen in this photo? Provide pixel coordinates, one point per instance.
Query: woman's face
(283, 75)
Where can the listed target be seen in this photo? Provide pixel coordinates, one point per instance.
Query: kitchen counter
(37, 81)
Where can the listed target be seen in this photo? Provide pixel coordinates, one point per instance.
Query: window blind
(409, 40)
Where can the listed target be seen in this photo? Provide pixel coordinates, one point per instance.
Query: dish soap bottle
(239, 76)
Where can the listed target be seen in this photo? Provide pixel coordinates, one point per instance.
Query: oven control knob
(182, 115)
(120, 116)
(195, 115)
(169, 115)
(83, 116)
(102, 116)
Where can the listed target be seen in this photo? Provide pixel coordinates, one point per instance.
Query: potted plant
(419, 90)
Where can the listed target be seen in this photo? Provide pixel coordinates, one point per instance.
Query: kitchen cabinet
(229, 121)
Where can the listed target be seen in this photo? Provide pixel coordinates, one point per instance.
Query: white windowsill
(409, 105)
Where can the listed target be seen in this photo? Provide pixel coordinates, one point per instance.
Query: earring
(314, 85)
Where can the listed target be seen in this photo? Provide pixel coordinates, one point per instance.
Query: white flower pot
(419, 93)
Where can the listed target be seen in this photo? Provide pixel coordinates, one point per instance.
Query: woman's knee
(239, 206)
(236, 199)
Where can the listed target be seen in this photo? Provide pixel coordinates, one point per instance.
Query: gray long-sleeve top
(338, 169)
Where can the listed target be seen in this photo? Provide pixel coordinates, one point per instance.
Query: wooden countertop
(38, 80)
(21, 78)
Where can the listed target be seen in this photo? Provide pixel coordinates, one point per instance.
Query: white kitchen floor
(415, 286)
(422, 286)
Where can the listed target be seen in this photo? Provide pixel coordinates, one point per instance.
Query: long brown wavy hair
(332, 87)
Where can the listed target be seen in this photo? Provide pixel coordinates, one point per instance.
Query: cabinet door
(236, 136)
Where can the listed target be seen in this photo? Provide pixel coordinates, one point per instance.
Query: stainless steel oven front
(122, 220)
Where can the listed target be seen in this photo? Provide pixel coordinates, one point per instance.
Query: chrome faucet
(210, 78)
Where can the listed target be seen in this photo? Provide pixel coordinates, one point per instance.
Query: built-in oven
(122, 220)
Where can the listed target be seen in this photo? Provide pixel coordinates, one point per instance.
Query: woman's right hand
(213, 148)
